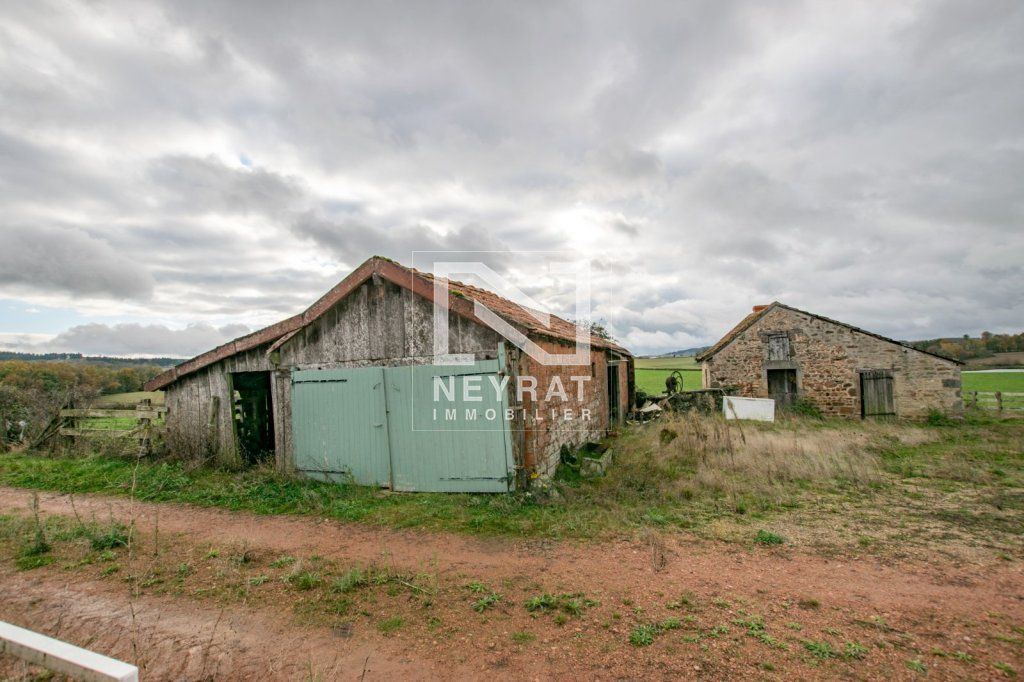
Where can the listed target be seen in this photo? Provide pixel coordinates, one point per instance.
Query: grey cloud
(144, 339)
(51, 258)
(206, 184)
(708, 156)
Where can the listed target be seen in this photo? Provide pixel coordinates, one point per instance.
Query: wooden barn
(787, 354)
(350, 389)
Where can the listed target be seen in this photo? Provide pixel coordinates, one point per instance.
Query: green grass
(1011, 382)
(764, 537)
(130, 398)
(650, 373)
(390, 625)
(666, 363)
(679, 485)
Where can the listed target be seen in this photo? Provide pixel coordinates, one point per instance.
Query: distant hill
(100, 360)
(687, 353)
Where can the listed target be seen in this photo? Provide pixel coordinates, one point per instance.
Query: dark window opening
(252, 411)
(782, 386)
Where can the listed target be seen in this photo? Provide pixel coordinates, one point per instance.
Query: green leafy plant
(306, 581)
(350, 581)
(390, 625)
(643, 635)
(543, 602)
(819, 649)
(854, 651)
(916, 665)
(112, 537)
(764, 537)
(1005, 668)
(805, 407)
(938, 418)
(487, 602)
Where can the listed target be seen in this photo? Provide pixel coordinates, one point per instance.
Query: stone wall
(827, 358)
(545, 429)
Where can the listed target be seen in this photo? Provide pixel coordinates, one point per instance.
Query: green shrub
(805, 407)
(350, 581)
(643, 635)
(112, 538)
(764, 537)
(938, 418)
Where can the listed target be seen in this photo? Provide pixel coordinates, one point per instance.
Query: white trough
(758, 409)
(61, 657)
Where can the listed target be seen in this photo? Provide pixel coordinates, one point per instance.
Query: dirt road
(956, 621)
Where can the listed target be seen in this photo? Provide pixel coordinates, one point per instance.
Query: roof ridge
(279, 333)
(754, 316)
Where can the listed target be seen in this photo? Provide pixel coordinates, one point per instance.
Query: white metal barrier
(759, 409)
(62, 657)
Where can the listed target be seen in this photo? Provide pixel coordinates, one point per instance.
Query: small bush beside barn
(792, 355)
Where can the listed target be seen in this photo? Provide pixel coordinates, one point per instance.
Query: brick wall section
(545, 435)
(827, 358)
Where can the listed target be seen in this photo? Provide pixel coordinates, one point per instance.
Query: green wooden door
(382, 427)
(450, 444)
(339, 422)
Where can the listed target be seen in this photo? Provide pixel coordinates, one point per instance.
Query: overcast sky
(174, 174)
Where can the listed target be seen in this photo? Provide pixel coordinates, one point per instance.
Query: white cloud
(207, 162)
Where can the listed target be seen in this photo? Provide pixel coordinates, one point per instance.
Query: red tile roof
(420, 283)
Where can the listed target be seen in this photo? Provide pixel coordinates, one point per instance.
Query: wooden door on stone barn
(782, 386)
(876, 393)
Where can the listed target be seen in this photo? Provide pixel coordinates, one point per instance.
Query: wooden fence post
(974, 399)
(999, 400)
(144, 423)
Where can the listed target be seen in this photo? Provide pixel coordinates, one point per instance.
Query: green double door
(407, 428)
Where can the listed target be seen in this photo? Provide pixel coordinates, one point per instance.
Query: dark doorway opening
(252, 411)
(876, 393)
(782, 386)
(613, 394)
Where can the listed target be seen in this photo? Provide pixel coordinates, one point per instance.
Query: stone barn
(351, 390)
(787, 354)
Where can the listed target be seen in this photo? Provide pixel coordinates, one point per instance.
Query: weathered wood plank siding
(380, 323)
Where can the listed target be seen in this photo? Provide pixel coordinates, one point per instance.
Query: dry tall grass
(694, 456)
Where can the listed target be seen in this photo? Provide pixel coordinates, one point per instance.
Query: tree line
(34, 391)
(967, 347)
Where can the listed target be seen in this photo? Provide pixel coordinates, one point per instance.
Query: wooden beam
(93, 413)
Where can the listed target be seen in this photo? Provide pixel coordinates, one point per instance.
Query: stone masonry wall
(827, 358)
(544, 434)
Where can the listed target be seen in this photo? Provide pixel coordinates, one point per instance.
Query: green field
(667, 363)
(650, 376)
(1009, 382)
(130, 398)
(650, 373)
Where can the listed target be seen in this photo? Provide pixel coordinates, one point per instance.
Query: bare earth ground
(958, 620)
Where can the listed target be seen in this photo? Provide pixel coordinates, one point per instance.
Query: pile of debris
(707, 400)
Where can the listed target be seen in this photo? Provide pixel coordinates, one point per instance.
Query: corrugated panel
(439, 445)
(340, 425)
